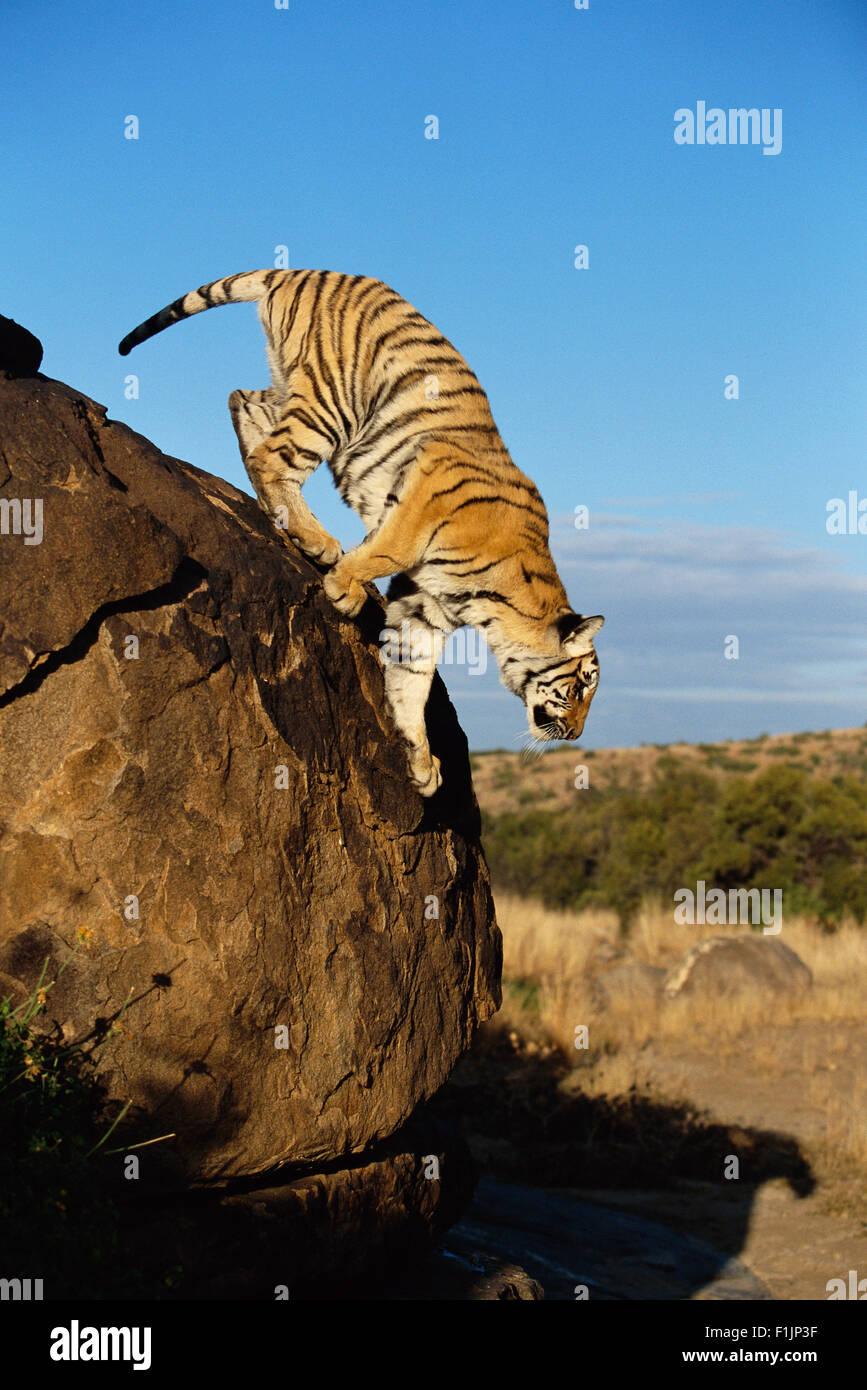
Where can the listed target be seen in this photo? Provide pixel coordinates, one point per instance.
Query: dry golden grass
(549, 990)
(844, 1139)
(792, 1064)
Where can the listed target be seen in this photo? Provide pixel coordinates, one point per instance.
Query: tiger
(360, 379)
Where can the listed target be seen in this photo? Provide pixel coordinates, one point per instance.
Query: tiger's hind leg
(287, 448)
(254, 415)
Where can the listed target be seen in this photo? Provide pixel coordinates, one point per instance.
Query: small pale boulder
(732, 964)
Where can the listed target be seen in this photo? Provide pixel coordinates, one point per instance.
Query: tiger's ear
(576, 633)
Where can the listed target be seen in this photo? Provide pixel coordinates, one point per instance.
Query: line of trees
(784, 828)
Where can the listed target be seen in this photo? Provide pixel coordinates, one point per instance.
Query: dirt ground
(793, 1244)
(797, 1081)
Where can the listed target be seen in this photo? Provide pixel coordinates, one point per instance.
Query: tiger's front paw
(324, 551)
(330, 555)
(317, 546)
(425, 771)
(346, 593)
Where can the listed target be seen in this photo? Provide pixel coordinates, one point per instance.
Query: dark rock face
(730, 964)
(338, 1233)
(197, 768)
(20, 352)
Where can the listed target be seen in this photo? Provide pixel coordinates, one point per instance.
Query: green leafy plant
(57, 1218)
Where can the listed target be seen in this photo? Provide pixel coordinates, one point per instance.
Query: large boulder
(337, 1232)
(198, 772)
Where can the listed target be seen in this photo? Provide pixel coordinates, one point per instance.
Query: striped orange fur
(359, 378)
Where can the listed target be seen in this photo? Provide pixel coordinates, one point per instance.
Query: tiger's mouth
(551, 729)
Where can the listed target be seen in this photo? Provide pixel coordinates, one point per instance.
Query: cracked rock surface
(197, 766)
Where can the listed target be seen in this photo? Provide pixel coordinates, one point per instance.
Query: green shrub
(783, 828)
(57, 1219)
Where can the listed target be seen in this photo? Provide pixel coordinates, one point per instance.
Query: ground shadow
(525, 1127)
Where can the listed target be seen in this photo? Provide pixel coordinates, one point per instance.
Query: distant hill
(611, 828)
(504, 782)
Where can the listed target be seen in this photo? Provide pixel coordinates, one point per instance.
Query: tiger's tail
(250, 285)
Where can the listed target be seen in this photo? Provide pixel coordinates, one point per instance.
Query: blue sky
(305, 128)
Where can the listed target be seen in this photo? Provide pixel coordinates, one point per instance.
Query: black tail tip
(125, 346)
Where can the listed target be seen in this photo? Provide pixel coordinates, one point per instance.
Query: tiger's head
(557, 688)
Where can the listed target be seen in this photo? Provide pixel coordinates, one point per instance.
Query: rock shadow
(528, 1124)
